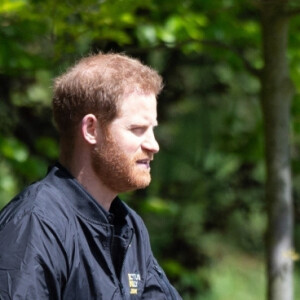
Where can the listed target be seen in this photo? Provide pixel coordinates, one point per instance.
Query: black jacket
(57, 242)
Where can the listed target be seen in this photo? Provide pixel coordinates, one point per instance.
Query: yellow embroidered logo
(134, 279)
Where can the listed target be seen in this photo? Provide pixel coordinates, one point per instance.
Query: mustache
(144, 155)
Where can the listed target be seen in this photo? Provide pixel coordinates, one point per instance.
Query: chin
(141, 182)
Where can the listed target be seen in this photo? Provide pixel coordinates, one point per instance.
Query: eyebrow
(143, 123)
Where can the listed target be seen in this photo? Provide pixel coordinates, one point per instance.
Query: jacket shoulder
(41, 199)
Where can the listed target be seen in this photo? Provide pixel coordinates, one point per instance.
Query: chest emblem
(133, 280)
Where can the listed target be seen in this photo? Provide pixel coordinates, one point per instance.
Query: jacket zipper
(130, 240)
(121, 269)
(115, 275)
(119, 284)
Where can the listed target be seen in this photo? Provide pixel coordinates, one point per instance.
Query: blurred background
(205, 208)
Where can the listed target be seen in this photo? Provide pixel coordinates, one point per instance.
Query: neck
(86, 176)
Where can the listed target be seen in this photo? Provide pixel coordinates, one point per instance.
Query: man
(69, 236)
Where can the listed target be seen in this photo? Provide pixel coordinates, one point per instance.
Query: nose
(150, 143)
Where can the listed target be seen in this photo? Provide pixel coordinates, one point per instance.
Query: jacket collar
(82, 201)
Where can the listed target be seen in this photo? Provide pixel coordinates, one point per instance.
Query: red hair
(97, 84)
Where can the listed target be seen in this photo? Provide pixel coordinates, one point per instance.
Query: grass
(239, 276)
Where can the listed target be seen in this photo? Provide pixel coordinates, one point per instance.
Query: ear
(89, 128)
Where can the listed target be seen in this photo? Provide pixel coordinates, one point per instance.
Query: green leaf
(13, 149)
(12, 6)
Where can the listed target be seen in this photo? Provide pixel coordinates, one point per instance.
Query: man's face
(122, 159)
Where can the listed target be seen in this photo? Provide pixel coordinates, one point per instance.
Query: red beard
(118, 171)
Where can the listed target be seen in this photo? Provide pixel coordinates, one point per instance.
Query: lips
(144, 162)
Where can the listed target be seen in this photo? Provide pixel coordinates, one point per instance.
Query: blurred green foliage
(206, 195)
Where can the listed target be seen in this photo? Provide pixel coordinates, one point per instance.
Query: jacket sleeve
(157, 285)
(30, 254)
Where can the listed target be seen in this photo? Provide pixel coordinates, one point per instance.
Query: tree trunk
(276, 96)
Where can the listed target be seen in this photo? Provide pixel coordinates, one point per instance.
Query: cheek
(129, 144)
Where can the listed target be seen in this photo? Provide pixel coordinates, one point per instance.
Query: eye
(138, 130)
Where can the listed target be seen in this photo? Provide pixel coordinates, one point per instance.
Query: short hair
(97, 84)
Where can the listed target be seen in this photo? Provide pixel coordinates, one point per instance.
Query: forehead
(138, 107)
